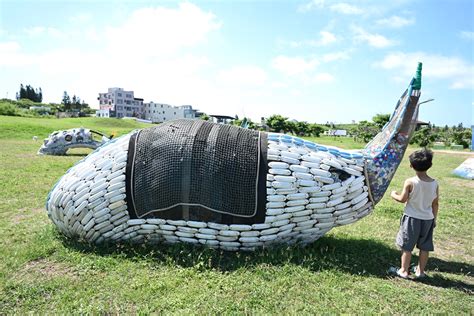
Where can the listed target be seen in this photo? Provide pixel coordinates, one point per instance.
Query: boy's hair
(421, 160)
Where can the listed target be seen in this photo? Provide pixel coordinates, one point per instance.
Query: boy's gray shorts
(414, 231)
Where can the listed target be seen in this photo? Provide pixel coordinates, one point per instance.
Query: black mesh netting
(196, 170)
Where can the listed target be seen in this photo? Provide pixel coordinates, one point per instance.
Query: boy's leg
(425, 244)
(406, 239)
(422, 261)
(405, 262)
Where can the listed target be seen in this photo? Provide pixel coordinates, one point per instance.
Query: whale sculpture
(466, 169)
(59, 142)
(226, 187)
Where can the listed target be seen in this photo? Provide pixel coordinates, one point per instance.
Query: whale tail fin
(385, 152)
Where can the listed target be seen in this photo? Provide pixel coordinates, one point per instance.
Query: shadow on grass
(355, 256)
(438, 280)
(75, 154)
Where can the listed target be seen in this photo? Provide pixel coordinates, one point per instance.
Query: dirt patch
(47, 269)
(26, 155)
(37, 210)
(26, 214)
(452, 249)
(463, 183)
(452, 152)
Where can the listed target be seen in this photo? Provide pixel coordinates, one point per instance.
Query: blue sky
(313, 60)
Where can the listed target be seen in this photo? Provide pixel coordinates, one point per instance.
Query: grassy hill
(344, 272)
(15, 127)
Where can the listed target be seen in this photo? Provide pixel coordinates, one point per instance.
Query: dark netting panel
(196, 170)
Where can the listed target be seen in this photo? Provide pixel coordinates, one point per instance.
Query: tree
(30, 93)
(365, 131)
(251, 123)
(423, 137)
(245, 122)
(76, 103)
(302, 128)
(66, 101)
(315, 129)
(381, 119)
(22, 93)
(462, 137)
(277, 123)
(468, 136)
(204, 117)
(35, 95)
(84, 105)
(290, 126)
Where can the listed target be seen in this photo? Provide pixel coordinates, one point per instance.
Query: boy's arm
(402, 197)
(435, 204)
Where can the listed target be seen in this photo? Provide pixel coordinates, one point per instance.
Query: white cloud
(11, 55)
(469, 35)
(313, 4)
(43, 30)
(91, 34)
(151, 48)
(323, 78)
(458, 72)
(365, 8)
(374, 40)
(157, 31)
(293, 65)
(396, 22)
(9, 47)
(35, 30)
(279, 85)
(327, 38)
(335, 56)
(80, 18)
(346, 8)
(243, 75)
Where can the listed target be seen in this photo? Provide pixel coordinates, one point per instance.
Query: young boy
(419, 218)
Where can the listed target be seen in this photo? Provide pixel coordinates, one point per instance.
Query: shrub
(8, 109)
(423, 137)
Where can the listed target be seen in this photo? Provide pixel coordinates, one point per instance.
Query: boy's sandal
(396, 272)
(419, 275)
(401, 275)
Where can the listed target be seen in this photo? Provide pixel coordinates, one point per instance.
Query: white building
(160, 112)
(336, 132)
(221, 119)
(41, 109)
(102, 113)
(119, 103)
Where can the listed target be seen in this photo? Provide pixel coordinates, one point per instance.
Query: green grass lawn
(341, 142)
(343, 272)
(14, 127)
